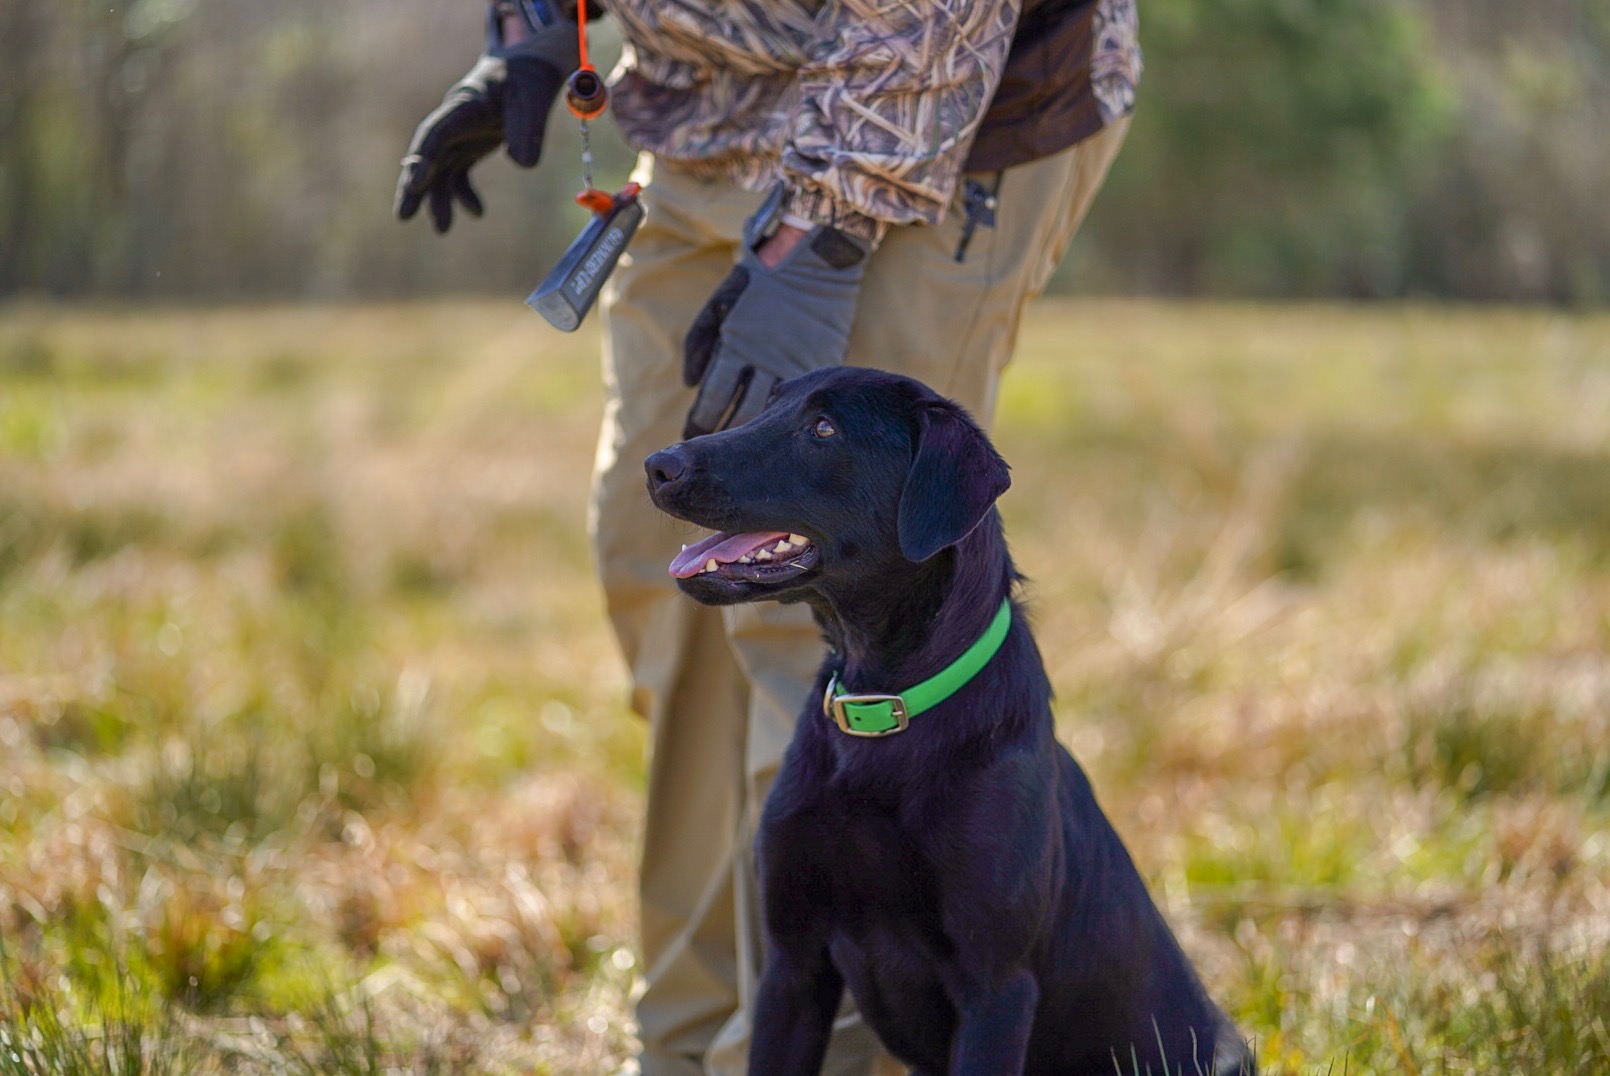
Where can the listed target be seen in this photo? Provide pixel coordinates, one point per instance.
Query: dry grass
(314, 757)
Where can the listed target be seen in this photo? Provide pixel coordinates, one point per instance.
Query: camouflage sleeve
(889, 99)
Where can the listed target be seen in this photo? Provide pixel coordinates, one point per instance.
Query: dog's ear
(955, 476)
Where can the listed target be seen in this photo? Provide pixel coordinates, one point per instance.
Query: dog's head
(848, 475)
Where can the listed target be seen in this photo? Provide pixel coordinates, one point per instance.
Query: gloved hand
(506, 97)
(764, 325)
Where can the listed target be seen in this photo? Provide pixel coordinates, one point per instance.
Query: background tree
(1448, 148)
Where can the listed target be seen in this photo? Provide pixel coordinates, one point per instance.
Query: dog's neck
(889, 636)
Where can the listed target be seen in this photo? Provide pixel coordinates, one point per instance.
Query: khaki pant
(721, 687)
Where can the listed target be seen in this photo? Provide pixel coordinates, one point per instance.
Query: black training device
(567, 293)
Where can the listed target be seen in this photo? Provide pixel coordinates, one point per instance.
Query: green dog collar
(884, 715)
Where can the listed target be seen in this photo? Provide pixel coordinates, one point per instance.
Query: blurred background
(1452, 149)
(314, 748)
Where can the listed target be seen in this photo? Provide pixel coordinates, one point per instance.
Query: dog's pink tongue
(722, 548)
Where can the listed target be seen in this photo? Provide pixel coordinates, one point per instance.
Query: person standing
(910, 173)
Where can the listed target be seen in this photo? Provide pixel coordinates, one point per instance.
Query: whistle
(585, 94)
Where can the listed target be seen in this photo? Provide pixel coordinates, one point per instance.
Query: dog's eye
(825, 428)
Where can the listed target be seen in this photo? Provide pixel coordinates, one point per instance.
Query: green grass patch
(315, 754)
(1506, 1011)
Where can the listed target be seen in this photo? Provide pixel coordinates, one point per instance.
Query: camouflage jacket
(867, 109)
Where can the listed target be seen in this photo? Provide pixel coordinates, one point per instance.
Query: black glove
(765, 325)
(506, 97)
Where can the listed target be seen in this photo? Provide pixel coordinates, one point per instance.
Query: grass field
(314, 757)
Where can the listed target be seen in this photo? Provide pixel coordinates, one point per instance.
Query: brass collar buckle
(868, 716)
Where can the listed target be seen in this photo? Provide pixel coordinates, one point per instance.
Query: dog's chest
(876, 868)
(878, 884)
(886, 931)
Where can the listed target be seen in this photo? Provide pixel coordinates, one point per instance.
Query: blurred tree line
(1452, 148)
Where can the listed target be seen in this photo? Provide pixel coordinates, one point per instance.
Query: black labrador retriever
(928, 842)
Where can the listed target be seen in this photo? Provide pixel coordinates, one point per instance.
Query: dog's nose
(666, 467)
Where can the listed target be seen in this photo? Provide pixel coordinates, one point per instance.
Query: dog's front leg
(996, 1019)
(799, 994)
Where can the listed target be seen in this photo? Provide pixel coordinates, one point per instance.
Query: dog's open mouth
(755, 557)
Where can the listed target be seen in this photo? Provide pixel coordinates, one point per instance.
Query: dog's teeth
(781, 547)
(764, 554)
(684, 547)
(798, 539)
(746, 559)
(711, 565)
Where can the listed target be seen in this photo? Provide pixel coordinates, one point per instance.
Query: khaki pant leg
(952, 325)
(684, 677)
(720, 715)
